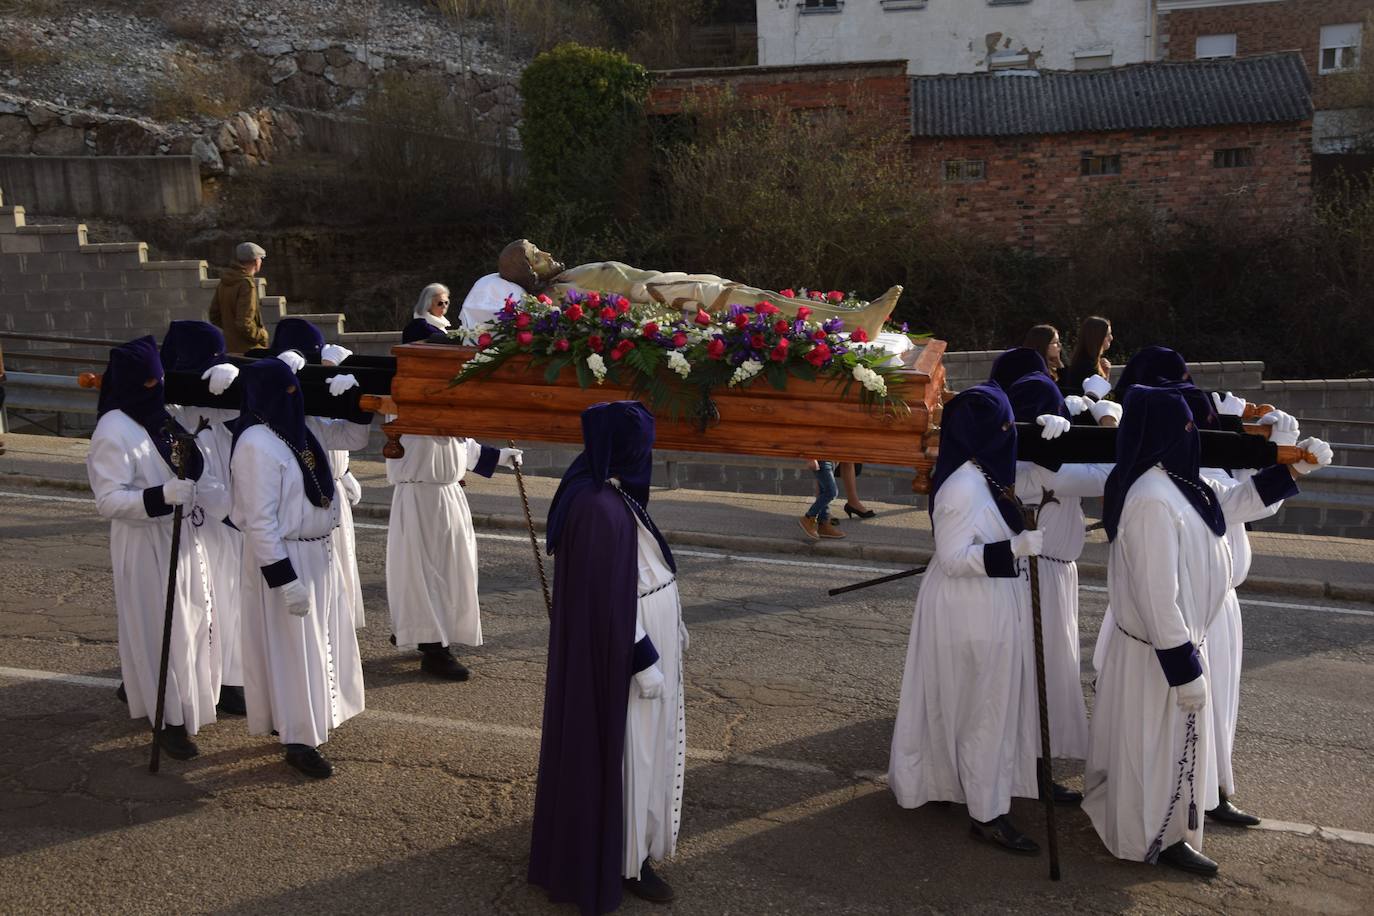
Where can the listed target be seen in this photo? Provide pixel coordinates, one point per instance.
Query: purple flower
(833, 325)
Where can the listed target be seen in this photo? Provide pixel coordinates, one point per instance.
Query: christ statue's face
(544, 266)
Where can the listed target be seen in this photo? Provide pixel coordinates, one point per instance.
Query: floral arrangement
(674, 360)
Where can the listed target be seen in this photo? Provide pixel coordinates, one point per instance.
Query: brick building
(875, 84)
(1020, 155)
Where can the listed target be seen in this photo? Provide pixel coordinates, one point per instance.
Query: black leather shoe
(176, 743)
(309, 761)
(1063, 795)
(231, 701)
(1000, 831)
(649, 886)
(851, 512)
(439, 661)
(1184, 857)
(1227, 813)
(121, 694)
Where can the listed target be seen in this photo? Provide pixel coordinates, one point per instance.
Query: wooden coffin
(808, 420)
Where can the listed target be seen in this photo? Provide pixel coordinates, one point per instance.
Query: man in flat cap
(235, 306)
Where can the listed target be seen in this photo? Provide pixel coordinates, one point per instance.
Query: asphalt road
(791, 697)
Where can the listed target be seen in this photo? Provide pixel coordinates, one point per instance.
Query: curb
(871, 553)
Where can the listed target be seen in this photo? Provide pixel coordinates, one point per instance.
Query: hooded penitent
(272, 398)
(124, 387)
(977, 426)
(1160, 367)
(577, 842)
(299, 335)
(1158, 429)
(1016, 363)
(192, 346)
(1033, 396)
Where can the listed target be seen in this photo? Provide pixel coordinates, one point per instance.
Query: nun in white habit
(967, 729)
(130, 466)
(302, 673)
(1169, 569)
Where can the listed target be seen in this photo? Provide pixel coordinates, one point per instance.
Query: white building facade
(958, 36)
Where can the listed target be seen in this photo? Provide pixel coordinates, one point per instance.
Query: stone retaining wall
(140, 187)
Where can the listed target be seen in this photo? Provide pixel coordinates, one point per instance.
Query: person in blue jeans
(817, 522)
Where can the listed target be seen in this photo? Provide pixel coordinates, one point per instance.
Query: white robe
(1062, 522)
(1225, 640)
(223, 545)
(967, 728)
(655, 730)
(121, 464)
(431, 548)
(1167, 577)
(345, 540)
(302, 675)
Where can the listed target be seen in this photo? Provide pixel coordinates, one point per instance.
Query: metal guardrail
(49, 338)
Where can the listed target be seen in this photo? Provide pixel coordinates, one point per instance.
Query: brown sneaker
(808, 524)
(828, 529)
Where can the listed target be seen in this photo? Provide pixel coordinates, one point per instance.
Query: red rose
(835, 296)
(484, 340)
(765, 308)
(716, 349)
(625, 346)
(703, 319)
(757, 342)
(622, 305)
(608, 314)
(650, 329)
(522, 320)
(679, 340)
(780, 327)
(595, 343)
(779, 353)
(803, 312)
(741, 319)
(818, 296)
(859, 335)
(788, 293)
(561, 345)
(593, 299)
(543, 299)
(818, 336)
(509, 308)
(524, 338)
(818, 355)
(574, 312)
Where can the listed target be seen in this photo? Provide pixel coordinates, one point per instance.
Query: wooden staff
(534, 540)
(180, 441)
(1044, 765)
(878, 581)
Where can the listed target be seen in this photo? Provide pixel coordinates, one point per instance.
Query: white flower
(871, 380)
(747, 370)
(678, 363)
(598, 367)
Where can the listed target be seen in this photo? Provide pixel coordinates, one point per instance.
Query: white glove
(650, 683)
(341, 383)
(178, 492)
(510, 458)
(1102, 409)
(1229, 406)
(220, 377)
(213, 498)
(1192, 696)
(333, 354)
(1054, 425)
(1075, 404)
(1097, 386)
(1028, 544)
(352, 489)
(682, 635)
(1319, 449)
(297, 598)
(292, 359)
(1284, 427)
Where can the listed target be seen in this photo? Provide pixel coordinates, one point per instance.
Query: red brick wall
(883, 86)
(1034, 188)
(1262, 28)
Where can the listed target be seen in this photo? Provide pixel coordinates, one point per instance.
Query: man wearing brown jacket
(235, 306)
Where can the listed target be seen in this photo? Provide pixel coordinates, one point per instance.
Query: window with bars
(1237, 158)
(965, 169)
(1100, 165)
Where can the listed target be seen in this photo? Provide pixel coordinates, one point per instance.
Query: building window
(895, 5)
(965, 170)
(1008, 60)
(1238, 158)
(1340, 48)
(820, 6)
(1101, 165)
(1210, 47)
(1092, 60)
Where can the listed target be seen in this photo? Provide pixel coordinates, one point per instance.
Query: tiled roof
(1251, 90)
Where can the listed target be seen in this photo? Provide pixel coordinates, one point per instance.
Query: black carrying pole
(1044, 764)
(878, 581)
(180, 441)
